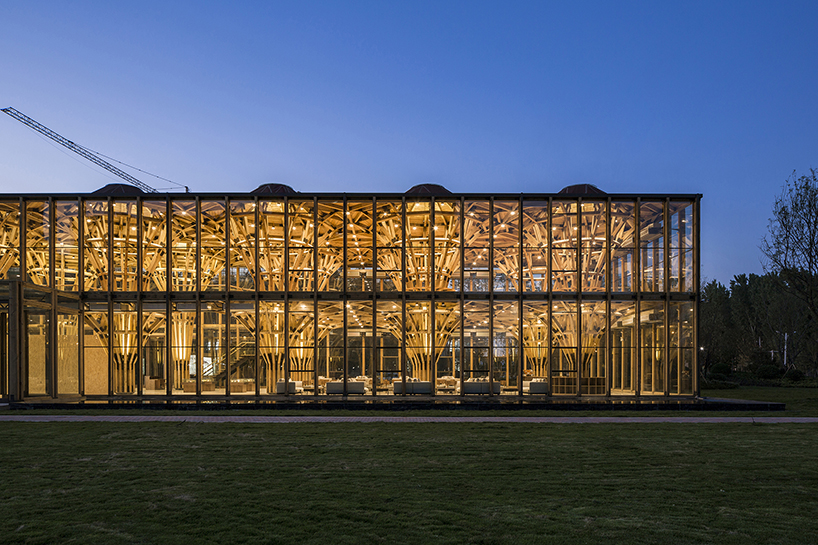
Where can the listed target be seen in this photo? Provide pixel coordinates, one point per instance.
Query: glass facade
(317, 295)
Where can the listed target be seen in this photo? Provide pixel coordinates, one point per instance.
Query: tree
(715, 325)
(791, 245)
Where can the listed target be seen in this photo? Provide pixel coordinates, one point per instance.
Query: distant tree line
(766, 327)
(756, 327)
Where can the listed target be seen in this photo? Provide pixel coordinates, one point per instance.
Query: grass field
(408, 483)
(415, 483)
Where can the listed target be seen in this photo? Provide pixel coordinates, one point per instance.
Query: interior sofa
(537, 386)
(353, 387)
(413, 386)
(295, 386)
(480, 386)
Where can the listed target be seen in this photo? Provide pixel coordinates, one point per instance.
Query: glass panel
(564, 246)
(418, 223)
(681, 246)
(271, 344)
(476, 269)
(330, 267)
(154, 351)
(476, 224)
(124, 247)
(213, 224)
(271, 269)
(564, 343)
(447, 245)
(418, 246)
(681, 348)
(476, 241)
(476, 341)
(95, 349)
(389, 238)
(535, 339)
(271, 249)
(125, 342)
(242, 245)
(271, 217)
(360, 354)
(68, 370)
(447, 268)
(389, 224)
(506, 224)
(154, 246)
(213, 246)
(38, 237)
(66, 250)
(183, 250)
(622, 246)
(331, 223)
(506, 345)
(506, 269)
(594, 347)
(651, 240)
(359, 224)
(447, 346)
(242, 348)
(242, 269)
(389, 269)
(418, 267)
(38, 368)
(10, 240)
(183, 340)
(594, 233)
(330, 344)
(301, 245)
(652, 335)
(535, 269)
(302, 342)
(535, 224)
(214, 348)
(359, 246)
(418, 340)
(388, 353)
(359, 269)
(564, 269)
(535, 246)
(623, 348)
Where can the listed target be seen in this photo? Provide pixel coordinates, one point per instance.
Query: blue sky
(717, 98)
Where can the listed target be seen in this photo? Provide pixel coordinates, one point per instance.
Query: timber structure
(128, 294)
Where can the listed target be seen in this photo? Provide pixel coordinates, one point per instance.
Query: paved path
(400, 419)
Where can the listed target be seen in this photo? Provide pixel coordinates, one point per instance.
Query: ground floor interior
(54, 345)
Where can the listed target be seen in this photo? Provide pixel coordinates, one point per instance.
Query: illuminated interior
(290, 294)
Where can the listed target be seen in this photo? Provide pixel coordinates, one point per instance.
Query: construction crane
(76, 148)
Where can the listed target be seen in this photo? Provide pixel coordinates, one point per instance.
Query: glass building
(278, 294)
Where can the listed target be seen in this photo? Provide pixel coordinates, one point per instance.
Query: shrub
(794, 375)
(720, 368)
(768, 371)
(759, 357)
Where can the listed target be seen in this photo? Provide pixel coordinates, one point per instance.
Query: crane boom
(76, 148)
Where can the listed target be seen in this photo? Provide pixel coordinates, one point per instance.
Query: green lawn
(408, 483)
(800, 401)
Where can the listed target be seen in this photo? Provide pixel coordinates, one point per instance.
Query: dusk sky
(718, 98)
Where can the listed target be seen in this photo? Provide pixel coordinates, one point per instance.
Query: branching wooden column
(182, 335)
(124, 346)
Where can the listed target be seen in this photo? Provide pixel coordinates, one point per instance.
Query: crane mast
(76, 148)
